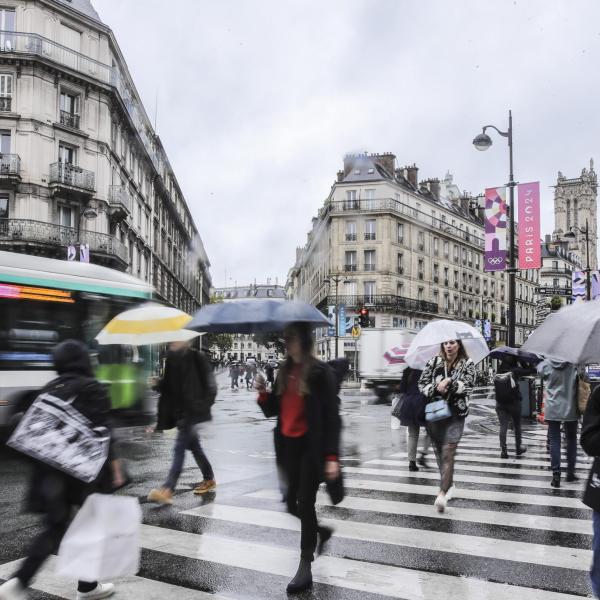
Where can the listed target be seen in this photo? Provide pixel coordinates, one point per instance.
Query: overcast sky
(259, 100)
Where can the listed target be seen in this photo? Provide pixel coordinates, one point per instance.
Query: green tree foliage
(223, 341)
(555, 302)
(271, 341)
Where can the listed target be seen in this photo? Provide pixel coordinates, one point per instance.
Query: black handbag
(335, 489)
(591, 496)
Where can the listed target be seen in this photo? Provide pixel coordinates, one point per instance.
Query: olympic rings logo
(495, 261)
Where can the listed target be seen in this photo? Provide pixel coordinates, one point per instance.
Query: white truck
(381, 357)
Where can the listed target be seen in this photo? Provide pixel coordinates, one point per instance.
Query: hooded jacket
(53, 491)
(561, 390)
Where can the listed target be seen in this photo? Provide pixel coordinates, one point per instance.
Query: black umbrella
(255, 316)
(504, 351)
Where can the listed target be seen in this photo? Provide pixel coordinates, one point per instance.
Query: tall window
(400, 233)
(69, 109)
(66, 154)
(400, 289)
(66, 216)
(4, 142)
(350, 288)
(3, 207)
(446, 249)
(436, 246)
(421, 268)
(350, 260)
(370, 225)
(6, 85)
(369, 199)
(421, 240)
(400, 263)
(350, 231)
(351, 202)
(7, 24)
(369, 291)
(369, 260)
(399, 322)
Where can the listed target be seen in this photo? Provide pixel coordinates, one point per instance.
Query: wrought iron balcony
(5, 104)
(69, 119)
(18, 231)
(369, 235)
(10, 168)
(369, 267)
(386, 303)
(72, 178)
(119, 201)
(350, 237)
(564, 271)
(350, 268)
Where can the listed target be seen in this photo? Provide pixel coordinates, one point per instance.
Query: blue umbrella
(255, 316)
(504, 351)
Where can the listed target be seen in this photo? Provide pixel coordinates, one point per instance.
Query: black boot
(302, 579)
(503, 453)
(324, 536)
(555, 483)
(521, 450)
(422, 462)
(571, 477)
(412, 466)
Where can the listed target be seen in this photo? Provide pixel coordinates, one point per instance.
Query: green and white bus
(44, 301)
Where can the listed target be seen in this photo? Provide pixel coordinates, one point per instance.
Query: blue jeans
(595, 570)
(555, 443)
(187, 439)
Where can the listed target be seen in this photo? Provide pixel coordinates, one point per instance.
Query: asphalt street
(506, 534)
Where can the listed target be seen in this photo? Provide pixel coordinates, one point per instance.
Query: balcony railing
(27, 230)
(350, 268)
(69, 119)
(369, 267)
(369, 236)
(557, 271)
(10, 165)
(118, 196)
(5, 104)
(387, 302)
(72, 176)
(395, 206)
(350, 237)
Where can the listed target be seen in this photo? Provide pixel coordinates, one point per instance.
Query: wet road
(505, 535)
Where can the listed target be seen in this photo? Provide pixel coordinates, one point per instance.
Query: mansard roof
(83, 6)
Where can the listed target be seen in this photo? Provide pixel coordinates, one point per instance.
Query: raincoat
(561, 390)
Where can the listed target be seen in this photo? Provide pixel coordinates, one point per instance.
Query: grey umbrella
(572, 334)
(255, 316)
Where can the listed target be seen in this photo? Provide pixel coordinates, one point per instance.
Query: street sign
(553, 291)
(355, 332)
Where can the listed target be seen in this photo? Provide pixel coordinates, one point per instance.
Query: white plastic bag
(103, 541)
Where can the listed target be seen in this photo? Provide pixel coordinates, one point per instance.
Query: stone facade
(409, 251)
(575, 202)
(79, 160)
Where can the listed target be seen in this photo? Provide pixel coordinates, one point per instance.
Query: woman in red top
(304, 400)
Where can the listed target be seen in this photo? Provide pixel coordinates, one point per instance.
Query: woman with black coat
(304, 400)
(412, 416)
(54, 493)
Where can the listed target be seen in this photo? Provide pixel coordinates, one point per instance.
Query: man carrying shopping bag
(55, 491)
(187, 392)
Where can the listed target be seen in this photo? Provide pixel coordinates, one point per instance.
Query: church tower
(574, 203)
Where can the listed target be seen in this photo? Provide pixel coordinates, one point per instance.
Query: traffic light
(364, 317)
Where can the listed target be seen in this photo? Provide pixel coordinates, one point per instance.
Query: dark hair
(72, 356)
(462, 353)
(303, 332)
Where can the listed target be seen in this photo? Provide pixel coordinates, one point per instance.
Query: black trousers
(507, 413)
(302, 479)
(45, 544)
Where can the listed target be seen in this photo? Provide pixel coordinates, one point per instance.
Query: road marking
(453, 513)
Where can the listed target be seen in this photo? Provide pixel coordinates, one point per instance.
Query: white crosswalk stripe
(531, 543)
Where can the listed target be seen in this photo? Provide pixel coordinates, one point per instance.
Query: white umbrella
(151, 323)
(426, 343)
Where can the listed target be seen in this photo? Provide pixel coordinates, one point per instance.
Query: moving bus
(44, 301)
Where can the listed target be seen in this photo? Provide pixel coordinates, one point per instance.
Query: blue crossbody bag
(438, 410)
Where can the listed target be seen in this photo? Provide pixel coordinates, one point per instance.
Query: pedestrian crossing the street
(506, 534)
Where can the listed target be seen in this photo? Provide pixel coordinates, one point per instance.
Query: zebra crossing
(506, 534)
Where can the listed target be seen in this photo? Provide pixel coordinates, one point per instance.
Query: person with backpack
(53, 492)
(187, 393)
(508, 401)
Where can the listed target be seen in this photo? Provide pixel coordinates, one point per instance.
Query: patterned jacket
(463, 379)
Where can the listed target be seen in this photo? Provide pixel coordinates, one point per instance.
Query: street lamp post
(483, 142)
(586, 234)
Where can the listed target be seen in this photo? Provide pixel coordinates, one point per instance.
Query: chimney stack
(340, 176)
(412, 174)
(434, 187)
(387, 160)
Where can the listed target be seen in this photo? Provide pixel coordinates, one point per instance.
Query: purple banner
(495, 229)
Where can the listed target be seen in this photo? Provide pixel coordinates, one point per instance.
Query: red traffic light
(364, 311)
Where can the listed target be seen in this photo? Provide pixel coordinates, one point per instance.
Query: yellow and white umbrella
(149, 324)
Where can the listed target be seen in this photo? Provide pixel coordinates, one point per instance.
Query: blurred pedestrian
(270, 373)
(449, 376)
(508, 401)
(233, 374)
(187, 393)
(590, 442)
(249, 369)
(412, 416)
(560, 408)
(53, 493)
(305, 403)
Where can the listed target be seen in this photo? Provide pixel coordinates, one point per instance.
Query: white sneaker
(440, 502)
(102, 590)
(12, 590)
(450, 494)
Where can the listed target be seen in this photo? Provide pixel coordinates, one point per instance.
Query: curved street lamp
(482, 142)
(571, 234)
